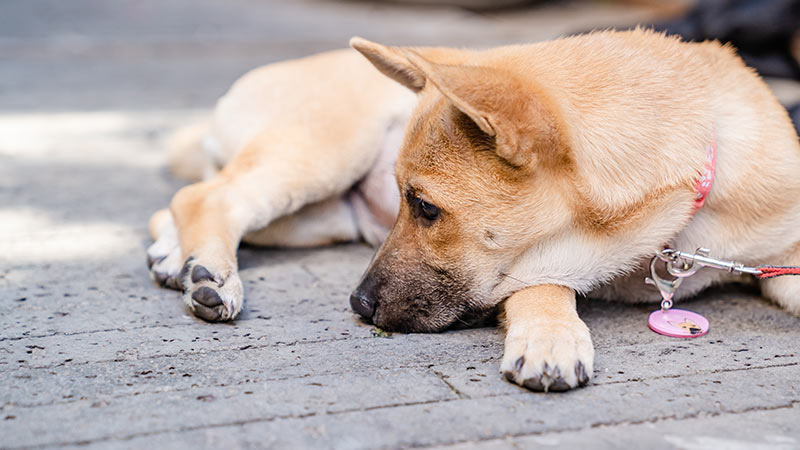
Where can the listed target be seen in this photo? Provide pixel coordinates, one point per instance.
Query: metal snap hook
(666, 287)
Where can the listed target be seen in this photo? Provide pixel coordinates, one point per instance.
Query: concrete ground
(93, 354)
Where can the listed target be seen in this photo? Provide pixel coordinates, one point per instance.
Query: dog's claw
(187, 266)
(519, 363)
(549, 379)
(511, 375)
(580, 372)
(153, 260)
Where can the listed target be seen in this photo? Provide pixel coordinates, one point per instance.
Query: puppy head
(481, 174)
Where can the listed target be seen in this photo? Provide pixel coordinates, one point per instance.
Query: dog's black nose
(362, 304)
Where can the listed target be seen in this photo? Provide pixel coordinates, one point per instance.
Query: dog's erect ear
(499, 104)
(497, 101)
(392, 61)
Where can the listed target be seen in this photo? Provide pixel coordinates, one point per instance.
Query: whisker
(515, 279)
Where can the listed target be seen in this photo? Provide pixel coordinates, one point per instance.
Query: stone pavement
(92, 354)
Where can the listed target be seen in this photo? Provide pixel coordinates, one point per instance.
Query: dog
(688, 325)
(522, 176)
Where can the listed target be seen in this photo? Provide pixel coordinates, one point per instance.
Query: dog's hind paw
(164, 260)
(210, 295)
(547, 356)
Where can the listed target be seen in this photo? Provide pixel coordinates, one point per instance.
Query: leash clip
(666, 287)
(682, 264)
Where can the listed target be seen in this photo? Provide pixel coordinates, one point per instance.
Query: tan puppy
(527, 174)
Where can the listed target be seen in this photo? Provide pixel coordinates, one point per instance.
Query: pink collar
(706, 177)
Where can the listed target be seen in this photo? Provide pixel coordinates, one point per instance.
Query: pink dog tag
(678, 323)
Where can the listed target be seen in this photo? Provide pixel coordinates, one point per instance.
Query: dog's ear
(500, 104)
(392, 61)
(496, 101)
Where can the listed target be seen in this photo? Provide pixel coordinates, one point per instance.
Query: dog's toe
(210, 314)
(534, 384)
(163, 260)
(164, 278)
(213, 303)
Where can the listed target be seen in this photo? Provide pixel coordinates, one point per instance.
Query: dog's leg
(785, 290)
(322, 223)
(548, 347)
(274, 176)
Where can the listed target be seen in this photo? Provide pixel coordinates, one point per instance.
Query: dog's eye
(421, 208)
(429, 211)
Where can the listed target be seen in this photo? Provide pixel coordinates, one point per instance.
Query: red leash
(777, 271)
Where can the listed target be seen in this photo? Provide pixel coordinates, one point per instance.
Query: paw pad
(200, 273)
(206, 296)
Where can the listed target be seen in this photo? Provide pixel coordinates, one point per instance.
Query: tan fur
(556, 168)
(187, 157)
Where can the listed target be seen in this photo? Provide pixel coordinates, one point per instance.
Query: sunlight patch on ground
(31, 236)
(133, 138)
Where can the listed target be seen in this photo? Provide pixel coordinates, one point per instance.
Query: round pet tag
(678, 323)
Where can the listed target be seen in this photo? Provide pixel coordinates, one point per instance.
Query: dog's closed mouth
(476, 320)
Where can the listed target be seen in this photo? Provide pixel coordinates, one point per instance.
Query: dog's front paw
(212, 295)
(546, 356)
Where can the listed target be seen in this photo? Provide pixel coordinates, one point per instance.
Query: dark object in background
(766, 34)
(761, 30)
(794, 113)
(474, 5)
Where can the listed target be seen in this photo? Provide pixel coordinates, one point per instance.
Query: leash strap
(777, 271)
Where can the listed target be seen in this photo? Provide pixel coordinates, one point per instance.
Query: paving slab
(771, 429)
(494, 417)
(93, 354)
(205, 407)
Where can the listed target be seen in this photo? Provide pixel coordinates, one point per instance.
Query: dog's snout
(362, 304)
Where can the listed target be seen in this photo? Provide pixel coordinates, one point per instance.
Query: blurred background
(136, 54)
